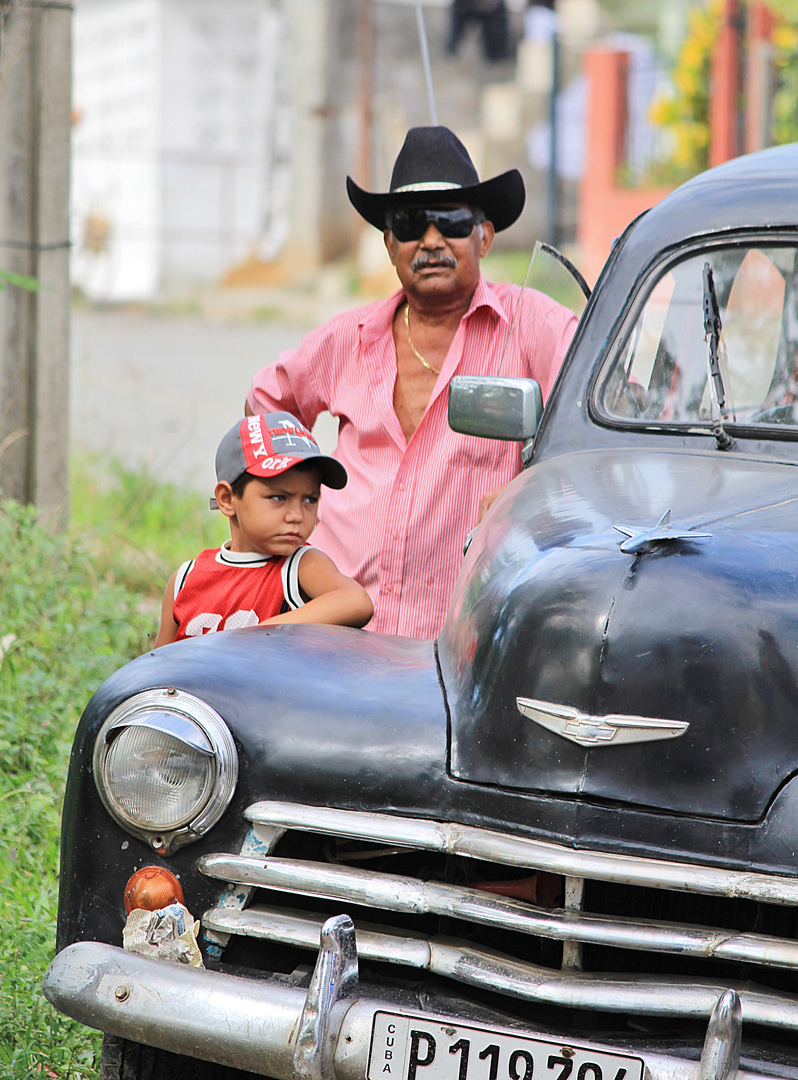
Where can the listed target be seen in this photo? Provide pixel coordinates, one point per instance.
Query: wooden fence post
(35, 118)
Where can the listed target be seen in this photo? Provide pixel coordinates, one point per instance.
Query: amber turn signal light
(543, 888)
(151, 888)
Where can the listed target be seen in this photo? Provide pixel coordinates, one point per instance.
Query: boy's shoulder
(218, 558)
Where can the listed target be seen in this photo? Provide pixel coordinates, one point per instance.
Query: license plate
(412, 1048)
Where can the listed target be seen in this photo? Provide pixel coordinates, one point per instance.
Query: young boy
(269, 471)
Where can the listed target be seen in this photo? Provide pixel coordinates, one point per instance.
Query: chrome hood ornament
(586, 730)
(662, 532)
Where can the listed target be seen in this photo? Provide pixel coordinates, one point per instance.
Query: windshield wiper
(712, 329)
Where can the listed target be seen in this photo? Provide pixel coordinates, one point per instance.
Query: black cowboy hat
(433, 167)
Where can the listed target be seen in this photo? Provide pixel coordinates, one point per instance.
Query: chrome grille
(392, 902)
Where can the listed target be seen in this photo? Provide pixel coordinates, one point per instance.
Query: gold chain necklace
(416, 353)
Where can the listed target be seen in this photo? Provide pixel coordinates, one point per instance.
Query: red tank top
(225, 590)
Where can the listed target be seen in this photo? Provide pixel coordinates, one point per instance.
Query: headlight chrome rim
(198, 727)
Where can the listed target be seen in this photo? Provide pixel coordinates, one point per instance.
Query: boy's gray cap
(267, 444)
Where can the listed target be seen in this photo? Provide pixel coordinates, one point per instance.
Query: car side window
(660, 374)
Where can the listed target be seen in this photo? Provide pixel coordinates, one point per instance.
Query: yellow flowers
(787, 9)
(785, 38)
(785, 60)
(685, 112)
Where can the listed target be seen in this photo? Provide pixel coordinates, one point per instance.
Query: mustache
(433, 258)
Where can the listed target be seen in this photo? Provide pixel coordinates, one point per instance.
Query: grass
(136, 529)
(506, 266)
(545, 273)
(73, 608)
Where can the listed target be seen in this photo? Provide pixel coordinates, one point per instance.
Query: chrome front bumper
(278, 1030)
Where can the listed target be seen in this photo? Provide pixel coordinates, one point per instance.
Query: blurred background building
(211, 141)
(180, 143)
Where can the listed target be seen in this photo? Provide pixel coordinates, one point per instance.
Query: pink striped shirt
(399, 525)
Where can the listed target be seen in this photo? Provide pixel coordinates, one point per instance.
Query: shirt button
(402, 485)
(387, 588)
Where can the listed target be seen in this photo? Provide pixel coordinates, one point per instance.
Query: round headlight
(165, 766)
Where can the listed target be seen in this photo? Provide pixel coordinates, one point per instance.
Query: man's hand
(487, 501)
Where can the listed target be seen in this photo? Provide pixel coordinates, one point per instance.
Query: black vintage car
(559, 843)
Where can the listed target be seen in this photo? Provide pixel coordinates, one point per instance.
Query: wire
(422, 34)
(538, 247)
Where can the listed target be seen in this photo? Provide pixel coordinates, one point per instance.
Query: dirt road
(162, 390)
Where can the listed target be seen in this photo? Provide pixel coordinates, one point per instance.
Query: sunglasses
(455, 223)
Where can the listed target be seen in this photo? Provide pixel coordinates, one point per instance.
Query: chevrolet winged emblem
(663, 531)
(586, 730)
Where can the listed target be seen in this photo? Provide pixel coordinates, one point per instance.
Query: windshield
(552, 273)
(660, 375)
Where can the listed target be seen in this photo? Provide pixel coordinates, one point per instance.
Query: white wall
(220, 68)
(180, 147)
(116, 204)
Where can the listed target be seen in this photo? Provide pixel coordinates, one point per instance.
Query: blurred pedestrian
(491, 18)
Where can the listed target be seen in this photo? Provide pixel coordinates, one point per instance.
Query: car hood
(702, 631)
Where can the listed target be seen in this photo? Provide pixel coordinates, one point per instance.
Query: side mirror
(495, 408)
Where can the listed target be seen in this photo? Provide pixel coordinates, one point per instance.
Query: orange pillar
(725, 88)
(605, 132)
(605, 207)
(606, 71)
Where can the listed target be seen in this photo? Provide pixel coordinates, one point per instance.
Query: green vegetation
(544, 273)
(138, 530)
(73, 608)
(785, 44)
(685, 112)
(506, 266)
(179, 308)
(266, 313)
(18, 281)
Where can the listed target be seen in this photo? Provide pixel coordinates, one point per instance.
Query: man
(415, 486)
